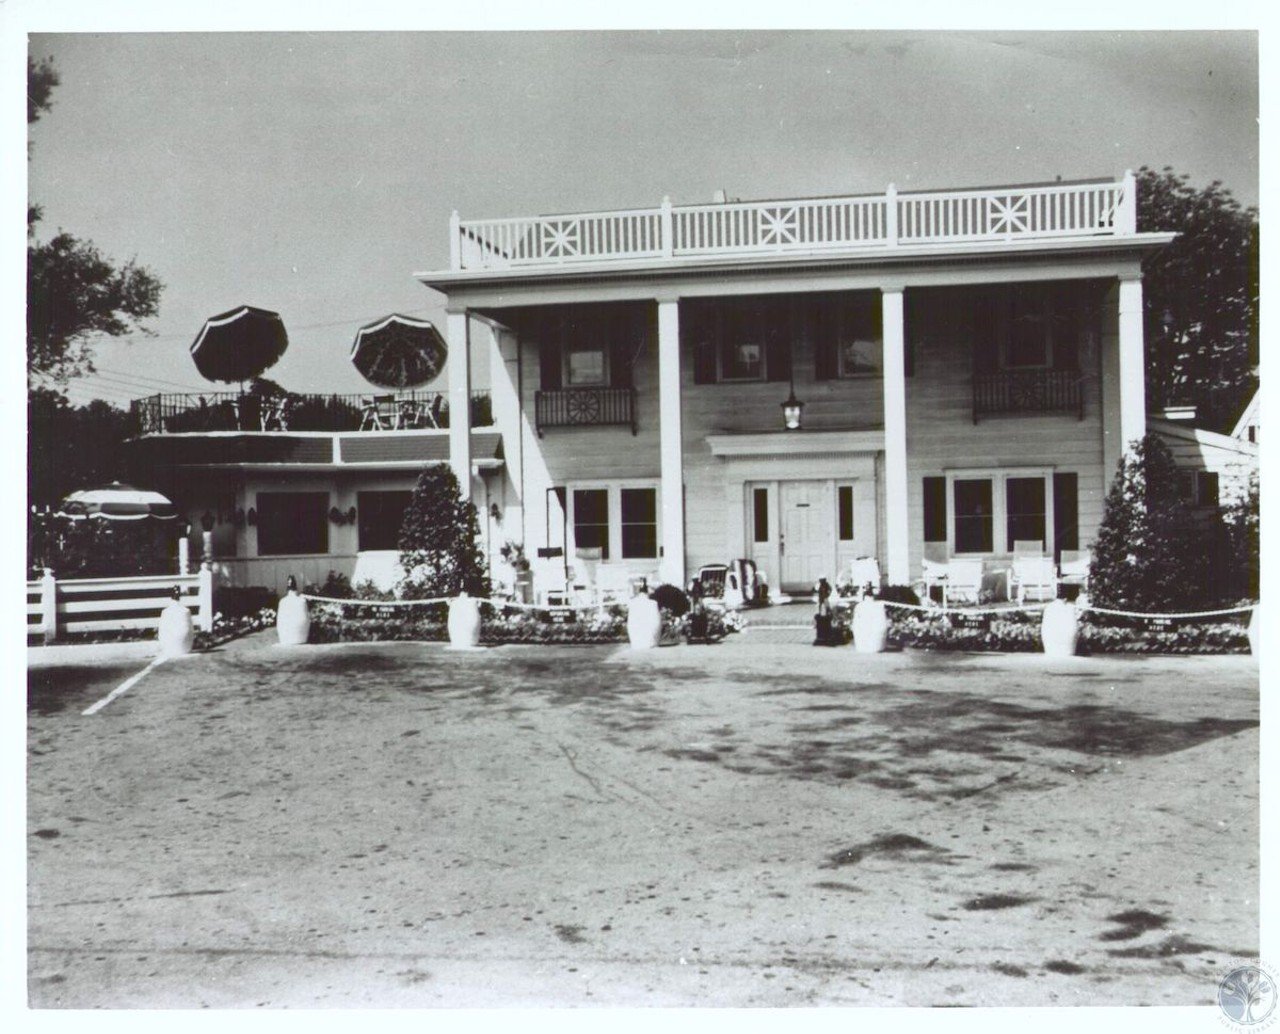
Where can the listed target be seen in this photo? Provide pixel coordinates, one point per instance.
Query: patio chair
(963, 581)
(1033, 577)
(275, 413)
(379, 413)
(1074, 568)
(864, 571)
(712, 578)
(613, 584)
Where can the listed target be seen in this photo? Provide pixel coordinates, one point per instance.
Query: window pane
(379, 516)
(974, 522)
(586, 366)
(860, 337)
(639, 523)
(743, 360)
(760, 514)
(293, 523)
(1024, 511)
(591, 520)
(845, 506)
(742, 346)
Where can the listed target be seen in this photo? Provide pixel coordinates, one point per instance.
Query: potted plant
(513, 554)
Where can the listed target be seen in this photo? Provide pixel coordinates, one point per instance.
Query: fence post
(668, 230)
(206, 597)
(184, 555)
(1127, 217)
(455, 240)
(49, 605)
(891, 215)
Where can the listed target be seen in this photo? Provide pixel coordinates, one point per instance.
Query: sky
(314, 173)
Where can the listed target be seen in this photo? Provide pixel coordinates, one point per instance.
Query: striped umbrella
(240, 344)
(398, 352)
(117, 502)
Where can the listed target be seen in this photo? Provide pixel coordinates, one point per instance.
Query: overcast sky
(314, 173)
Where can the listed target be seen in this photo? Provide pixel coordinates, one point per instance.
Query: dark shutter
(624, 343)
(549, 355)
(698, 332)
(822, 330)
(935, 509)
(1067, 322)
(985, 306)
(1066, 514)
(775, 314)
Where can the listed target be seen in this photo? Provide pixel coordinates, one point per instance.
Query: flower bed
(1020, 633)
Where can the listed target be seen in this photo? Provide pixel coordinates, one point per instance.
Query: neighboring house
(1214, 468)
(1248, 427)
(970, 364)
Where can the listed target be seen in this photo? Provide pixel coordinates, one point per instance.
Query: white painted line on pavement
(123, 688)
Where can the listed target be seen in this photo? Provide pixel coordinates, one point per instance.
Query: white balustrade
(799, 225)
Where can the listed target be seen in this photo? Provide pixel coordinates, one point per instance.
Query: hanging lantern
(791, 411)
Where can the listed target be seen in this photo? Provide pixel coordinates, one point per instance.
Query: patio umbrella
(240, 344)
(398, 352)
(117, 502)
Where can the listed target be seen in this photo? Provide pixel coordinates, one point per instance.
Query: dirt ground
(735, 825)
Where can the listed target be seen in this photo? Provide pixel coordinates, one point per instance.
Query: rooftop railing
(233, 411)
(995, 215)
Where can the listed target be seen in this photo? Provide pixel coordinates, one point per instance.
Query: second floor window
(738, 339)
(1031, 327)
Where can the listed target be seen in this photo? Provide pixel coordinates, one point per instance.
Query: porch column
(458, 327)
(895, 439)
(1133, 397)
(671, 566)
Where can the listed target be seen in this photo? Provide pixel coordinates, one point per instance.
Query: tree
(439, 540)
(1200, 297)
(1148, 555)
(74, 293)
(72, 447)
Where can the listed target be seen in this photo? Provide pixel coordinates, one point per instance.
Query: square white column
(1133, 383)
(458, 327)
(671, 565)
(897, 524)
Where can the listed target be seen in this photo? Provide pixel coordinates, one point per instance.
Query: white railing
(1002, 214)
(108, 604)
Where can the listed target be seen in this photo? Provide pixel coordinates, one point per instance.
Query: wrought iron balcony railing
(232, 411)
(1028, 391)
(585, 407)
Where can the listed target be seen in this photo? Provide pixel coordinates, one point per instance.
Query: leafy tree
(439, 540)
(1148, 555)
(74, 293)
(73, 447)
(1201, 297)
(1244, 540)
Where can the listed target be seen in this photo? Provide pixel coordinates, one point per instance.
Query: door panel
(808, 533)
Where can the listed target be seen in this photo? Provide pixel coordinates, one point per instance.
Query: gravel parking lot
(735, 825)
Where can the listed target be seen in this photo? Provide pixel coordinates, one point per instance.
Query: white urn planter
(1059, 629)
(870, 626)
(177, 632)
(1255, 631)
(644, 623)
(293, 623)
(464, 623)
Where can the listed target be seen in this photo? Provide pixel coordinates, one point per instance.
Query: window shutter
(1067, 322)
(822, 328)
(1066, 514)
(935, 509)
(549, 361)
(698, 332)
(625, 339)
(775, 314)
(985, 332)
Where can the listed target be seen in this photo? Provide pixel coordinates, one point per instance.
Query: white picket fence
(57, 607)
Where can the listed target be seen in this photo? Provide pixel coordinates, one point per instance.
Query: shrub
(1148, 555)
(336, 587)
(439, 540)
(671, 599)
(898, 594)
